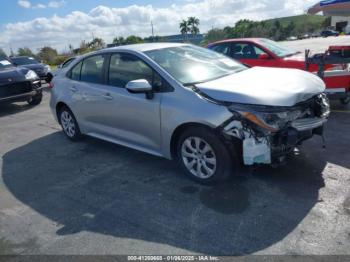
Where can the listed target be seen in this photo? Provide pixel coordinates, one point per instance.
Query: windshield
(5, 64)
(277, 49)
(192, 64)
(24, 60)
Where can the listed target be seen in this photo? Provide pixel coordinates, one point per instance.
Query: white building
(339, 10)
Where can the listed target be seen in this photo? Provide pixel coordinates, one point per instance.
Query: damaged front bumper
(262, 146)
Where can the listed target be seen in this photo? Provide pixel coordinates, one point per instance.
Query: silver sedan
(209, 112)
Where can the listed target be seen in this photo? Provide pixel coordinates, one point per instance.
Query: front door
(130, 118)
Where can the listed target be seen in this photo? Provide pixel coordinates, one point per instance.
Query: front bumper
(36, 89)
(263, 146)
(273, 149)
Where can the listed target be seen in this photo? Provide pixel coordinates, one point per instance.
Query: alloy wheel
(199, 157)
(68, 124)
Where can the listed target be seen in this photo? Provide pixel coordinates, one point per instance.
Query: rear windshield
(5, 64)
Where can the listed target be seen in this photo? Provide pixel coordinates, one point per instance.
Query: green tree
(48, 55)
(2, 53)
(133, 40)
(193, 24)
(119, 40)
(214, 35)
(184, 28)
(25, 51)
(96, 44)
(327, 22)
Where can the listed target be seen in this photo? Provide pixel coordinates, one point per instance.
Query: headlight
(47, 68)
(31, 75)
(271, 121)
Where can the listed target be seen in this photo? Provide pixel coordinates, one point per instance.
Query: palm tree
(184, 28)
(193, 23)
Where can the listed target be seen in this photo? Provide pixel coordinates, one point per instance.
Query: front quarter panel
(183, 107)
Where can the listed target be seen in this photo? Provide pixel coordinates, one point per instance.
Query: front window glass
(24, 60)
(192, 64)
(246, 51)
(92, 69)
(125, 68)
(222, 48)
(277, 49)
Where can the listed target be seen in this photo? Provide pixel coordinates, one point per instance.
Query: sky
(58, 23)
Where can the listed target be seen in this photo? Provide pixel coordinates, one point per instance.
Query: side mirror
(264, 57)
(59, 66)
(140, 86)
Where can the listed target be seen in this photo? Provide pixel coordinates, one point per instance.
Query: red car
(262, 52)
(267, 53)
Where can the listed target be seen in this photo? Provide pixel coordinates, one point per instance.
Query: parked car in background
(304, 36)
(42, 70)
(18, 84)
(327, 33)
(184, 102)
(267, 53)
(292, 38)
(262, 52)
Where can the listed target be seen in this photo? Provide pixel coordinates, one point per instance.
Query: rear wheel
(35, 100)
(69, 124)
(204, 157)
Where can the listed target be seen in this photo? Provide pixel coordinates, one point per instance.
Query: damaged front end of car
(270, 133)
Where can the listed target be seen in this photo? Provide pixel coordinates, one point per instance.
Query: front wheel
(69, 124)
(204, 157)
(35, 100)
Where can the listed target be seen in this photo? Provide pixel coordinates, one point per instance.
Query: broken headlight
(271, 121)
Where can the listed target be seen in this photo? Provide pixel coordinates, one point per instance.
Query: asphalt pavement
(93, 197)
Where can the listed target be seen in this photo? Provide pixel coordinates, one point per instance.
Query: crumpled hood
(265, 86)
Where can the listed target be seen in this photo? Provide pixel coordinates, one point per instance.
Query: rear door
(89, 100)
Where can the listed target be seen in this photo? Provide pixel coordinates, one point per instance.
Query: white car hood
(265, 86)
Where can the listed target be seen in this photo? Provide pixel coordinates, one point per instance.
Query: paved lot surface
(92, 197)
(317, 45)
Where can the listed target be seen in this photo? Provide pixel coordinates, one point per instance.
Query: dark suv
(42, 70)
(18, 84)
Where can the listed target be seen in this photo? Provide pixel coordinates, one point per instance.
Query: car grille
(15, 89)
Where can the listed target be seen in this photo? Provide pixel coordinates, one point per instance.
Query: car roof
(232, 40)
(145, 47)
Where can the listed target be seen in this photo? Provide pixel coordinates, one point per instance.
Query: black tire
(35, 100)
(227, 161)
(73, 133)
(49, 78)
